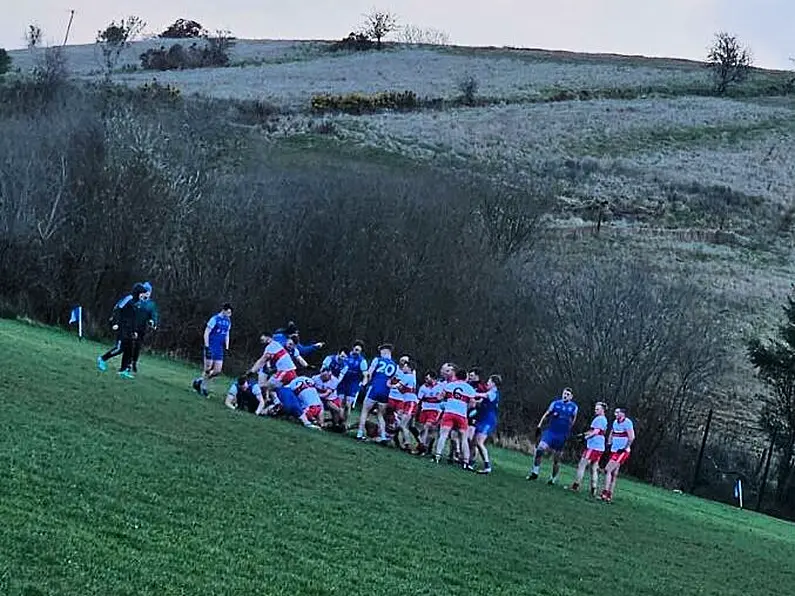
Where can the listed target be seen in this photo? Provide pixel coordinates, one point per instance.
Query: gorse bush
(354, 42)
(183, 29)
(362, 103)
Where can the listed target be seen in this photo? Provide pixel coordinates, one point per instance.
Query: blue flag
(74, 317)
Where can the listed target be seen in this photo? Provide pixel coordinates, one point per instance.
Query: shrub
(213, 53)
(361, 103)
(468, 86)
(183, 29)
(355, 42)
(33, 36)
(5, 61)
(412, 34)
(115, 38)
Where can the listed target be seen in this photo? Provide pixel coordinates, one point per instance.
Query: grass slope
(112, 487)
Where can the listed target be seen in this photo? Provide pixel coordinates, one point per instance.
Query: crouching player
(326, 384)
(458, 394)
(562, 413)
(594, 448)
(622, 435)
(429, 396)
(311, 404)
(486, 425)
(245, 394)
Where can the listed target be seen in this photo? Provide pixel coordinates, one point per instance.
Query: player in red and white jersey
(403, 400)
(429, 395)
(326, 385)
(594, 448)
(622, 435)
(274, 356)
(458, 394)
(311, 404)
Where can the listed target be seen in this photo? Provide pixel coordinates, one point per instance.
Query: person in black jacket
(128, 318)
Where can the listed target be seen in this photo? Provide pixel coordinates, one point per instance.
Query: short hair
(496, 379)
(622, 410)
(242, 380)
(386, 346)
(325, 369)
(602, 405)
(343, 349)
(358, 343)
(476, 369)
(569, 389)
(226, 306)
(430, 373)
(460, 374)
(295, 337)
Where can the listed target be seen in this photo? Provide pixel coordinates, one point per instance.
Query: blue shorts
(555, 441)
(290, 404)
(486, 426)
(216, 352)
(378, 394)
(349, 388)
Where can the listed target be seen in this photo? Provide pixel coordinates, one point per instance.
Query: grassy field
(113, 487)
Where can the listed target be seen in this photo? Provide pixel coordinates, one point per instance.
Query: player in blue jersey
(486, 425)
(216, 342)
(562, 413)
(356, 366)
(335, 363)
(377, 379)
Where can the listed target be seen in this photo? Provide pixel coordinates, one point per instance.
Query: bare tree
(33, 36)
(378, 24)
(115, 38)
(729, 61)
(415, 35)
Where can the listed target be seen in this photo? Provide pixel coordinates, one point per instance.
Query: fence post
(701, 451)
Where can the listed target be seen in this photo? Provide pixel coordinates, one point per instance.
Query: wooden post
(701, 451)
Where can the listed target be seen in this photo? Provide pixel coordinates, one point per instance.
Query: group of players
(454, 405)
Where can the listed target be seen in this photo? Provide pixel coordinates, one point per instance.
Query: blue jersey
(561, 416)
(385, 369)
(335, 364)
(356, 366)
(487, 408)
(219, 328)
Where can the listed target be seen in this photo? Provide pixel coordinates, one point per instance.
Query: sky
(676, 28)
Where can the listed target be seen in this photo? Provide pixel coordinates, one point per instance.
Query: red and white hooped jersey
(304, 389)
(597, 442)
(404, 387)
(278, 357)
(328, 389)
(457, 395)
(430, 396)
(620, 434)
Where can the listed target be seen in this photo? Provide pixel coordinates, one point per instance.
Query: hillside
(143, 488)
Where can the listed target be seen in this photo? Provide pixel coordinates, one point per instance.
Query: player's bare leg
(611, 474)
(594, 478)
(467, 465)
(553, 479)
(440, 442)
(366, 407)
(581, 467)
(541, 449)
(480, 443)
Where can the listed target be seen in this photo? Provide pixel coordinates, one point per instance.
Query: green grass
(112, 487)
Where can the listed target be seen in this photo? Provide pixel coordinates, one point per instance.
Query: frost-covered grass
(289, 73)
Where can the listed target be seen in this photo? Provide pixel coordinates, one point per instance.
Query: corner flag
(76, 316)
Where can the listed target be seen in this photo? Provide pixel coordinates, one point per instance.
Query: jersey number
(386, 368)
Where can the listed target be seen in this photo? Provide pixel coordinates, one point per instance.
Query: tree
(5, 61)
(115, 38)
(183, 29)
(774, 362)
(33, 36)
(729, 61)
(378, 24)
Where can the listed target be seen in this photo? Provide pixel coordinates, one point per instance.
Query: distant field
(113, 487)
